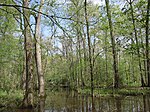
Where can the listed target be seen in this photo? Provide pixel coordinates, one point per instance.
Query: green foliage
(10, 62)
(133, 91)
(105, 92)
(11, 53)
(11, 98)
(68, 67)
(60, 50)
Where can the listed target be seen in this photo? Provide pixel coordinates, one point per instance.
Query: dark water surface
(66, 101)
(70, 101)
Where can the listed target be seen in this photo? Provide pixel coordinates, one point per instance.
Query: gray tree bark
(38, 53)
(28, 97)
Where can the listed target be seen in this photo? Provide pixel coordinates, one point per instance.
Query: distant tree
(113, 43)
(147, 42)
(89, 46)
(137, 41)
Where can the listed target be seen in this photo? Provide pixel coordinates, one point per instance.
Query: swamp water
(70, 101)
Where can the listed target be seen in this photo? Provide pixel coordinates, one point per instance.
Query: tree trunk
(28, 98)
(89, 46)
(84, 55)
(115, 62)
(80, 58)
(147, 43)
(38, 53)
(137, 44)
(144, 56)
(106, 58)
(79, 37)
(23, 77)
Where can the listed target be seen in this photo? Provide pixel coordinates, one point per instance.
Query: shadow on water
(70, 101)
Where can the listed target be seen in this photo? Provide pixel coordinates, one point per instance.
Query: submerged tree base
(14, 100)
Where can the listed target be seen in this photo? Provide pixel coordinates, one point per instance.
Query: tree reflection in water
(41, 106)
(70, 101)
(73, 102)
